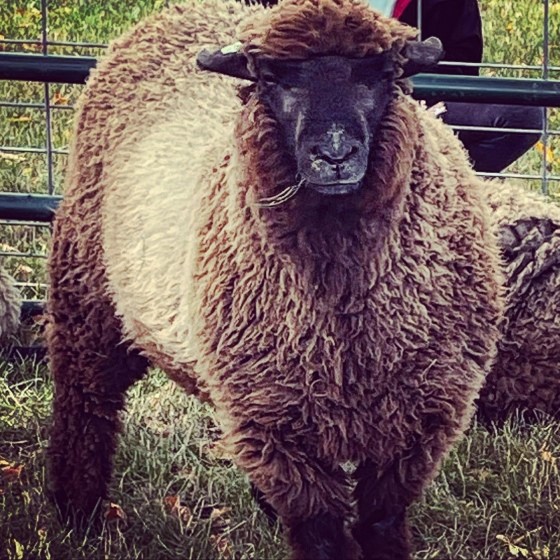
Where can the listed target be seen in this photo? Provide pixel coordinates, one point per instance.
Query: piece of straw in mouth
(281, 197)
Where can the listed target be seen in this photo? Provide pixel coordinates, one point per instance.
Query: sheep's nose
(335, 153)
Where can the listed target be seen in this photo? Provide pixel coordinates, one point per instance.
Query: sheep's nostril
(335, 155)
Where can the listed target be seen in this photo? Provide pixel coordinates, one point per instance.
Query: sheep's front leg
(382, 501)
(311, 500)
(92, 371)
(319, 537)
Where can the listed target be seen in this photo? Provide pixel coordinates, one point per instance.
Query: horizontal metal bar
(475, 89)
(41, 68)
(33, 207)
(16, 105)
(42, 106)
(53, 43)
(22, 254)
(478, 89)
(497, 65)
(502, 66)
(26, 223)
(503, 175)
(34, 285)
(498, 129)
(30, 150)
(457, 127)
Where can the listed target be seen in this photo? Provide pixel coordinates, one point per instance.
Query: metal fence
(34, 162)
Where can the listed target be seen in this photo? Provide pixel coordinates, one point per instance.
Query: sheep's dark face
(328, 109)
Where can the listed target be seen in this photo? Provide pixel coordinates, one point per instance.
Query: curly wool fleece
(526, 374)
(359, 329)
(10, 302)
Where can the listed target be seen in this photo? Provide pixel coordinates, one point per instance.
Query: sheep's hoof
(266, 508)
(321, 538)
(385, 539)
(84, 519)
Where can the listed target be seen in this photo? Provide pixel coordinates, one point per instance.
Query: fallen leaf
(11, 473)
(59, 99)
(222, 545)
(545, 151)
(483, 474)
(18, 549)
(216, 513)
(548, 456)
(11, 157)
(171, 502)
(174, 507)
(21, 118)
(515, 550)
(31, 47)
(114, 512)
(218, 520)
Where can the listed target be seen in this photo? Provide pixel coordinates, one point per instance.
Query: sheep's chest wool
(330, 328)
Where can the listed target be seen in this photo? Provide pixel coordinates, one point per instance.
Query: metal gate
(40, 67)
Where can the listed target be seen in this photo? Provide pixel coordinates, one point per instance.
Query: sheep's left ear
(229, 60)
(422, 56)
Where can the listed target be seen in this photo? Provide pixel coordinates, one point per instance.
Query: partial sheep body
(526, 375)
(10, 302)
(359, 330)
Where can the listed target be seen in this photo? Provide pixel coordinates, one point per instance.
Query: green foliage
(514, 35)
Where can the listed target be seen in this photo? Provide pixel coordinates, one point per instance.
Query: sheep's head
(327, 93)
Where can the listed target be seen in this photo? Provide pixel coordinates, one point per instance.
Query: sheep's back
(526, 374)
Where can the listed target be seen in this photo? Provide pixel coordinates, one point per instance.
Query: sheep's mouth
(334, 189)
(327, 189)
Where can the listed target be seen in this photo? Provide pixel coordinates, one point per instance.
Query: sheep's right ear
(422, 56)
(229, 60)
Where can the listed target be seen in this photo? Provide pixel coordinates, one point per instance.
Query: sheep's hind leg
(266, 508)
(91, 372)
(382, 502)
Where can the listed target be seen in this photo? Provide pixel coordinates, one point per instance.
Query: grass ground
(174, 495)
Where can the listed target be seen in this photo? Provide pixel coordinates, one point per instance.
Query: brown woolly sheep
(355, 321)
(10, 302)
(526, 375)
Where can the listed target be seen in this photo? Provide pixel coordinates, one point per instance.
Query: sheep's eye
(276, 73)
(269, 79)
(370, 71)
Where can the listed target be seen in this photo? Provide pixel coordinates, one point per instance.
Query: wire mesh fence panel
(521, 40)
